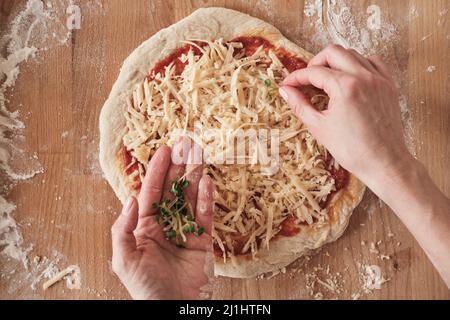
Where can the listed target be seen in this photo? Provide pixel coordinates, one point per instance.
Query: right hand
(362, 126)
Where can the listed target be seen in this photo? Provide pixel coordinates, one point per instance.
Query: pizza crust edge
(211, 23)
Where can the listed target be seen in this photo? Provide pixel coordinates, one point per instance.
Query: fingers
(301, 106)
(378, 63)
(123, 240)
(364, 62)
(194, 172)
(153, 183)
(338, 58)
(205, 204)
(180, 153)
(318, 76)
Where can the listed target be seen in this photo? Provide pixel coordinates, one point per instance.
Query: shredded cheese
(58, 277)
(225, 90)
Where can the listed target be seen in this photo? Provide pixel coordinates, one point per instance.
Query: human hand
(150, 266)
(362, 126)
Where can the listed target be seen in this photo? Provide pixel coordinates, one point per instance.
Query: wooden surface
(70, 208)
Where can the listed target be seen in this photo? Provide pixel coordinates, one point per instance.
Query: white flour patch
(310, 10)
(371, 278)
(413, 14)
(407, 125)
(334, 22)
(266, 6)
(73, 280)
(431, 69)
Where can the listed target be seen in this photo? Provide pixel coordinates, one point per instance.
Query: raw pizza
(220, 69)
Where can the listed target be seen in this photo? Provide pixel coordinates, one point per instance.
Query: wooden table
(69, 209)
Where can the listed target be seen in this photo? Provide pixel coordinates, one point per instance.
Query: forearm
(409, 191)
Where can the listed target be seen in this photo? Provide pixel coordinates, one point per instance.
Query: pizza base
(213, 23)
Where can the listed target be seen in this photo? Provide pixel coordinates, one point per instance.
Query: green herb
(200, 231)
(190, 228)
(176, 215)
(272, 88)
(171, 234)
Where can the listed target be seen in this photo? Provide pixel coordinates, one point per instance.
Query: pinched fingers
(368, 65)
(378, 63)
(320, 77)
(180, 153)
(337, 58)
(301, 106)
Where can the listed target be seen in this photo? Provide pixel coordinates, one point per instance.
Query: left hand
(150, 266)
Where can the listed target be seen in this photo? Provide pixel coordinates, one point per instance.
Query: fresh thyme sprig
(176, 216)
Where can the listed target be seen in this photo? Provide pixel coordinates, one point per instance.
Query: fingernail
(127, 207)
(195, 155)
(284, 94)
(180, 150)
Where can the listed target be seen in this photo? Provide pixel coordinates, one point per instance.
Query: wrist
(381, 169)
(405, 188)
(401, 174)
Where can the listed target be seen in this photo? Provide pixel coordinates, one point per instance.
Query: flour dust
(35, 29)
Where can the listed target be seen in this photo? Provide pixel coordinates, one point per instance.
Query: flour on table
(334, 22)
(431, 69)
(27, 35)
(413, 14)
(45, 269)
(371, 278)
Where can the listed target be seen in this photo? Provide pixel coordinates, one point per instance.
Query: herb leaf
(175, 215)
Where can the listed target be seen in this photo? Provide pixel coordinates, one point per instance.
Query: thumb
(123, 240)
(300, 105)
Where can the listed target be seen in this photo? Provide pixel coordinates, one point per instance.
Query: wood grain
(70, 207)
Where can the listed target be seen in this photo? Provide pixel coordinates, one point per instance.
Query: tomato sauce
(127, 160)
(340, 176)
(289, 227)
(289, 61)
(175, 58)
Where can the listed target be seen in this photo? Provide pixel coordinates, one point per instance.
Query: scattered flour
(431, 69)
(26, 36)
(333, 22)
(18, 50)
(46, 269)
(413, 14)
(371, 278)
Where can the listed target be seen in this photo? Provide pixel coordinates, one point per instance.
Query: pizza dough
(211, 24)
